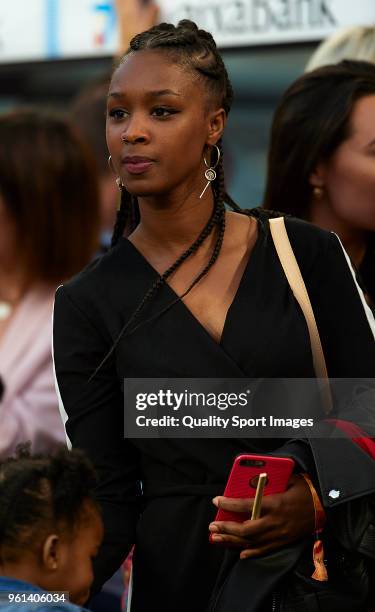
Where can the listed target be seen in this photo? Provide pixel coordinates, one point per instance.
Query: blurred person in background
(134, 16)
(321, 158)
(355, 43)
(49, 218)
(88, 110)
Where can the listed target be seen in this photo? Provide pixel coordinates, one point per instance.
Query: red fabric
(356, 434)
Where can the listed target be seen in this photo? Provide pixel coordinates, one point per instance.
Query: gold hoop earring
(210, 173)
(118, 180)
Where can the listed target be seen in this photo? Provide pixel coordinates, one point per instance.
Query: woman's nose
(134, 133)
(133, 138)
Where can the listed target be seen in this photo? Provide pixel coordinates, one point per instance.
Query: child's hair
(39, 495)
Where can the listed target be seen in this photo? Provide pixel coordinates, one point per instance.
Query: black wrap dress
(157, 494)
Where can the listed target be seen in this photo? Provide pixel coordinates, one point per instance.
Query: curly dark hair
(39, 494)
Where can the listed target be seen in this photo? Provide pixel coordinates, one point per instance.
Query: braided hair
(40, 494)
(195, 50)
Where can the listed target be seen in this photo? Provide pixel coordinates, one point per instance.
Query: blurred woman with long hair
(48, 231)
(321, 158)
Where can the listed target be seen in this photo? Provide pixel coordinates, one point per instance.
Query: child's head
(50, 526)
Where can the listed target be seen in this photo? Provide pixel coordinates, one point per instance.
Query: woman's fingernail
(213, 528)
(217, 538)
(215, 501)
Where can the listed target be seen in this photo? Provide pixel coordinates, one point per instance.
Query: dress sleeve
(93, 411)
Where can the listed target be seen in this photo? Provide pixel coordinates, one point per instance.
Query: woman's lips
(137, 166)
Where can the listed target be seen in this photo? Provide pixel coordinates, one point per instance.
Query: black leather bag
(281, 582)
(246, 585)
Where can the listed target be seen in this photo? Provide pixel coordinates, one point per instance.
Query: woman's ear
(51, 552)
(317, 178)
(217, 120)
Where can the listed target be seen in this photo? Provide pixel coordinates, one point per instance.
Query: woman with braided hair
(190, 289)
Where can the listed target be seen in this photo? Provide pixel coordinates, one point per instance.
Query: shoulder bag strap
(293, 274)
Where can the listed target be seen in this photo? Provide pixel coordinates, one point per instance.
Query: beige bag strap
(293, 274)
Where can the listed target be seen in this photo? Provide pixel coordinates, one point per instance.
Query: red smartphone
(243, 480)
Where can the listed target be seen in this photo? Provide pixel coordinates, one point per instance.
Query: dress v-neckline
(185, 308)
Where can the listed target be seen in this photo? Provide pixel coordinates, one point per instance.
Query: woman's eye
(118, 113)
(163, 112)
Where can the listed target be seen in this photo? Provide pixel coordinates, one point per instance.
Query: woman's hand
(285, 517)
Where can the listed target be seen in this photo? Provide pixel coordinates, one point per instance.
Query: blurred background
(51, 49)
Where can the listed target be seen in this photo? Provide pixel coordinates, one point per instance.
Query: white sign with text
(248, 22)
(44, 29)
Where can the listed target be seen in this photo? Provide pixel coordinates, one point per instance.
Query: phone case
(242, 480)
